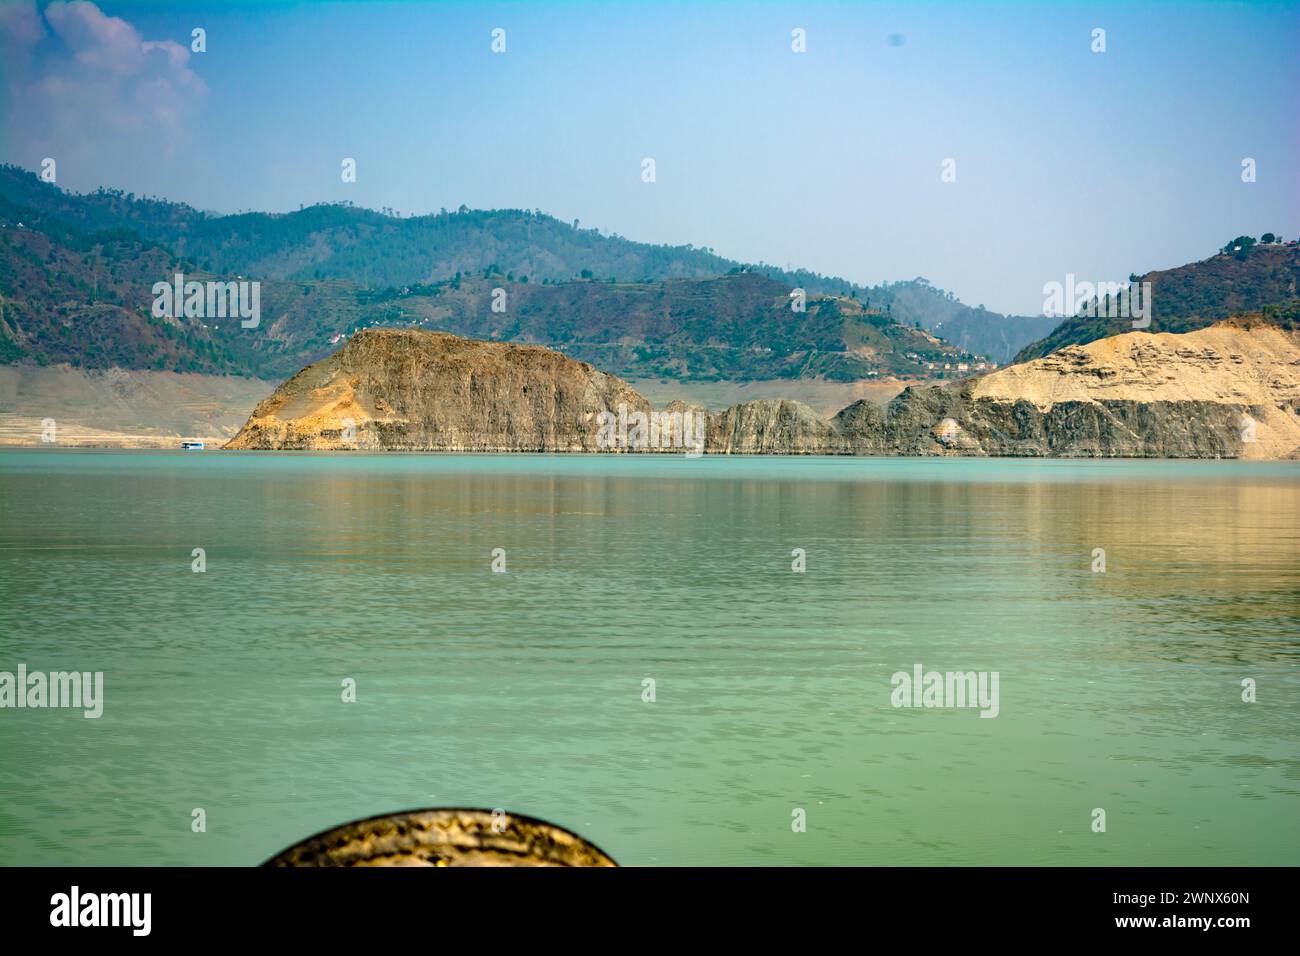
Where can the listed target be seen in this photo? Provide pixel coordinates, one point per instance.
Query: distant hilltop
(1229, 391)
(1245, 276)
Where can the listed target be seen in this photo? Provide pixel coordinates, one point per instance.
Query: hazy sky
(1067, 161)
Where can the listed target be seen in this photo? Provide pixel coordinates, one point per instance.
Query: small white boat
(192, 445)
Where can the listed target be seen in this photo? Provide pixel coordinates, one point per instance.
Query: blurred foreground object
(444, 838)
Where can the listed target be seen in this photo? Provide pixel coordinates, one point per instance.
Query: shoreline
(653, 454)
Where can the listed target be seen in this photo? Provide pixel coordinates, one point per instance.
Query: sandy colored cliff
(416, 390)
(1235, 363)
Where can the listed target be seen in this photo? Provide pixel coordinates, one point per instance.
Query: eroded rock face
(407, 389)
(1228, 391)
(774, 427)
(1231, 390)
(917, 423)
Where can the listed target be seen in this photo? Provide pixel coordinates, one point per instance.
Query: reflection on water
(1120, 690)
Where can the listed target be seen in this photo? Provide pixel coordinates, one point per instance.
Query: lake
(1119, 690)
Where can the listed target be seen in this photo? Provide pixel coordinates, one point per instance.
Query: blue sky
(1067, 161)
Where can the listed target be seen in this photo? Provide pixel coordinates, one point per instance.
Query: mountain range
(328, 270)
(77, 270)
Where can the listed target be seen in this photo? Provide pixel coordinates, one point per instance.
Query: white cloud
(90, 90)
(20, 25)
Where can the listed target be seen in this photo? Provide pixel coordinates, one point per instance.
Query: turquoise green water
(1118, 690)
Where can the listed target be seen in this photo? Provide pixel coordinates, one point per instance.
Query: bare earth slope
(1227, 391)
(122, 408)
(1237, 364)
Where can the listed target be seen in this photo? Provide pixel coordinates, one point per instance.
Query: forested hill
(1247, 275)
(85, 298)
(380, 250)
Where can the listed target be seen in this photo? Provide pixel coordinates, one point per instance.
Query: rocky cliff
(430, 391)
(1231, 390)
(1228, 391)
